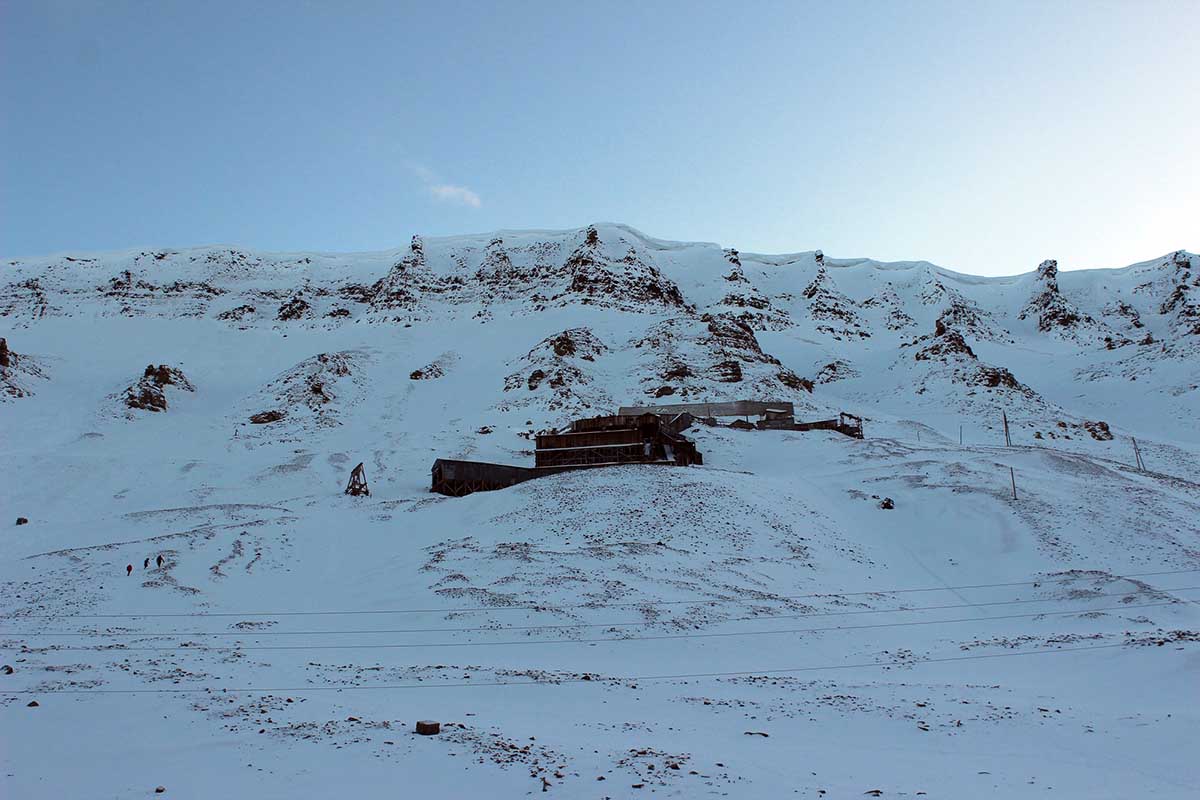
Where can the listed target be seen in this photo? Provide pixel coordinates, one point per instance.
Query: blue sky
(983, 136)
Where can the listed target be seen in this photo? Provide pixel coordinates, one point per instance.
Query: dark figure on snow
(146, 563)
(128, 569)
(160, 561)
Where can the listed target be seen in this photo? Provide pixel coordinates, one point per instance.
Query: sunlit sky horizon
(983, 137)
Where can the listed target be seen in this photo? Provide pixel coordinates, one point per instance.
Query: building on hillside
(621, 439)
(457, 478)
(585, 443)
(772, 414)
(777, 419)
(845, 424)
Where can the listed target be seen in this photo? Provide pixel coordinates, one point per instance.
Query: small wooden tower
(358, 482)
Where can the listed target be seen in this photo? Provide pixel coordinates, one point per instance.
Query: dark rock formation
(427, 372)
(295, 308)
(148, 393)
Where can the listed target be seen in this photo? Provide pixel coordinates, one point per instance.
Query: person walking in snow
(128, 570)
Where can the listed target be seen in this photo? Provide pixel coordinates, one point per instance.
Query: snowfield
(755, 627)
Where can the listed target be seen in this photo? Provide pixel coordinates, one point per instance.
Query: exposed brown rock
(794, 381)
(295, 308)
(148, 395)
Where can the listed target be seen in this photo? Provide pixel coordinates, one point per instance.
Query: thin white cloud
(455, 194)
(445, 192)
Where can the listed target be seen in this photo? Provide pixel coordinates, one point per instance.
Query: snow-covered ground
(755, 627)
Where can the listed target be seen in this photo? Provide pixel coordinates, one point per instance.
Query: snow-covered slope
(754, 627)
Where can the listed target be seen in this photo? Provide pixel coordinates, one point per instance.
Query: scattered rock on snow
(426, 373)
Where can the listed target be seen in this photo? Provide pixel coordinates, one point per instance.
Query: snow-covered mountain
(208, 404)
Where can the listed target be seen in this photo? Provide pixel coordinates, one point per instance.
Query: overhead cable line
(494, 629)
(594, 603)
(765, 673)
(617, 639)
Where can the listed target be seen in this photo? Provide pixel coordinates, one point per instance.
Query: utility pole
(1137, 453)
(1007, 438)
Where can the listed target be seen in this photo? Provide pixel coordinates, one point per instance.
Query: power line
(493, 629)
(592, 604)
(559, 681)
(661, 637)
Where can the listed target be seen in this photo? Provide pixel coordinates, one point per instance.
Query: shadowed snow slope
(755, 627)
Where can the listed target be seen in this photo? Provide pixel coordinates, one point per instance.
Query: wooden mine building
(605, 441)
(636, 435)
(585, 443)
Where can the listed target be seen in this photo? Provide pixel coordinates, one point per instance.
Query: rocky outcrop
(407, 282)
(427, 373)
(1057, 315)
(149, 393)
(316, 392)
(896, 318)
(1048, 306)
(238, 314)
(946, 344)
(614, 274)
(16, 372)
(997, 377)
(1183, 302)
(833, 311)
(961, 313)
(295, 308)
(837, 370)
(26, 299)
(717, 357)
(551, 373)
(628, 281)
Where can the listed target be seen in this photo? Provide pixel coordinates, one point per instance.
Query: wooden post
(1013, 477)
(960, 435)
(1137, 453)
(1007, 439)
